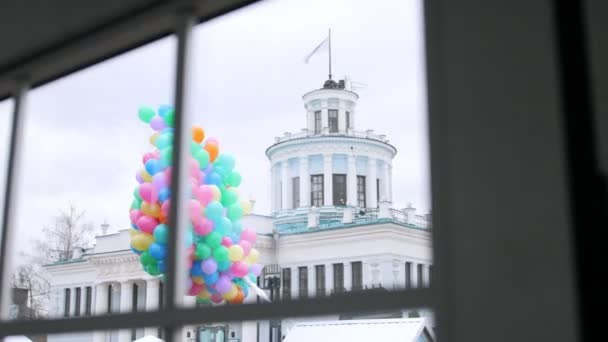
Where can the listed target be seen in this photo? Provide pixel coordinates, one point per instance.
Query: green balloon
(136, 193)
(136, 204)
(146, 114)
(234, 179)
(202, 251)
(169, 118)
(213, 240)
(202, 157)
(223, 265)
(152, 269)
(166, 155)
(220, 254)
(229, 197)
(200, 300)
(146, 259)
(235, 212)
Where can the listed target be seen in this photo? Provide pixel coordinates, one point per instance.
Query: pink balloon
(195, 289)
(159, 180)
(194, 210)
(204, 194)
(194, 167)
(146, 224)
(226, 241)
(148, 193)
(217, 298)
(203, 226)
(239, 269)
(147, 157)
(256, 269)
(248, 235)
(135, 215)
(246, 245)
(164, 208)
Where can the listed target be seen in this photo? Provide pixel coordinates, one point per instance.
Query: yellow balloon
(246, 205)
(153, 138)
(198, 280)
(216, 193)
(154, 210)
(235, 253)
(142, 241)
(146, 176)
(232, 293)
(253, 256)
(133, 232)
(204, 294)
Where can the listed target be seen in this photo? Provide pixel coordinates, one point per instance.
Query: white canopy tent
(399, 329)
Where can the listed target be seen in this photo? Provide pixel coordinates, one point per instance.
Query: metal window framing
(481, 94)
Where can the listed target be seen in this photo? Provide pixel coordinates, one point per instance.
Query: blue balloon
(164, 140)
(210, 278)
(214, 211)
(136, 251)
(196, 269)
(223, 226)
(164, 194)
(163, 110)
(237, 227)
(153, 166)
(245, 291)
(223, 265)
(157, 251)
(213, 178)
(235, 237)
(134, 226)
(161, 266)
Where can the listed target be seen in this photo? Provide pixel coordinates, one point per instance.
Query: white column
(312, 289)
(324, 116)
(371, 199)
(348, 276)
(126, 305)
(285, 185)
(83, 300)
(151, 303)
(304, 182)
(367, 274)
(295, 285)
(390, 182)
(273, 189)
(327, 180)
(385, 193)
(101, 308)
(351, 182)
(72, 309)
(341, 120)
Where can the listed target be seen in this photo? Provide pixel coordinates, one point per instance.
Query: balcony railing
(305, 133)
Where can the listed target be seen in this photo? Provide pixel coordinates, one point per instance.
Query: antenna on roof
(353, 85)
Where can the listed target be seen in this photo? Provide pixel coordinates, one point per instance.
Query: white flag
(321, 47)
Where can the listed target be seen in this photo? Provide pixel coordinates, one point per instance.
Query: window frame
(356, 277)
(286, 283)
(339, 188)
(318, 122)
(361, 192)
(303, 282)
(67, 294)
(295, 192)
(338, 270)
(333, 121)
(77, 302)
(320, 290)
(319, 199)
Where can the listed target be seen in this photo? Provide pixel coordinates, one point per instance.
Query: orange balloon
(198, 134)
(213, 150)
(240, 297)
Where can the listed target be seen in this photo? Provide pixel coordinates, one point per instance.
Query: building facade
(332, 231)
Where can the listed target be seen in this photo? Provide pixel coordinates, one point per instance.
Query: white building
(332, 231)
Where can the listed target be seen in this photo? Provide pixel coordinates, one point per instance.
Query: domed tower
(330, 164)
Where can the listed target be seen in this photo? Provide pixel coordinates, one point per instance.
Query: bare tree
(68, 232)
(36, 289)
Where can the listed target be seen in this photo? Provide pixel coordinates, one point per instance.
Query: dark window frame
(66, 302)
(88, 300)
(318, 126)
(408, 275)
(338, 188)
(361, 192)
(420, 279)
(303, 282)
(320, 280)
(356, 276)
(338, 270)
(332, 120)
(77, 302)
(347, 120)
(286, 283)
(295, 192)
(318, 180)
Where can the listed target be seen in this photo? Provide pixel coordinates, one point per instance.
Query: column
(83, 300)
(304, 183)
(126, 303)
(371, 196)
(351, 182)
(151, 303)
(273, 189)
(390, 182)
(324, 116)
(385, 193)
(72, 308)
(327, 180)
(329, 278)
(295, 283)
(101, 308)
(415, 284)
(312, 289)
(348, 276)
(285, 185)
(341, 120)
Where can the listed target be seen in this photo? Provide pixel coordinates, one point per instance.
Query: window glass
(286, 281)
(339, 188)
(338, 278)
(317, 191)
(361, 192)
(333, 120)
(303, 282)
(320, 280)
(295, 184)
(318, 122)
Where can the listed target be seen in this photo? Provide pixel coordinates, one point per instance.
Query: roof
(399, 329)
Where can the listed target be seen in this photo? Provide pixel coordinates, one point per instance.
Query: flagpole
(330, 53)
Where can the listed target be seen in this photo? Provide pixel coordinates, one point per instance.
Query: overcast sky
(84, 142)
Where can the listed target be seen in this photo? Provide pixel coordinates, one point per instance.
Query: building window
(338, 278)
(303, 282)
(134, 299)
(430, 274)
(339, 185)
(77, 302)
(408, 275)
(320, 280)
(110, 301)
(295, 193)
(361, 191)
(357, 275)
(378, 191)
(347, 120)
(66, 302)
(333, 120)
(286, 283)
(318, 122)
(88, 291)
(316, 192)
(419, 269)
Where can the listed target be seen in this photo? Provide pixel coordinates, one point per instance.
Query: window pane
(333, 120)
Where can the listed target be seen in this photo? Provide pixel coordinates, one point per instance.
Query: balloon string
(257, 290)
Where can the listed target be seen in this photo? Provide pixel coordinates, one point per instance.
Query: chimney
(104, 228)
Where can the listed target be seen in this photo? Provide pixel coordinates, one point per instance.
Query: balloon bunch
(220, 251)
